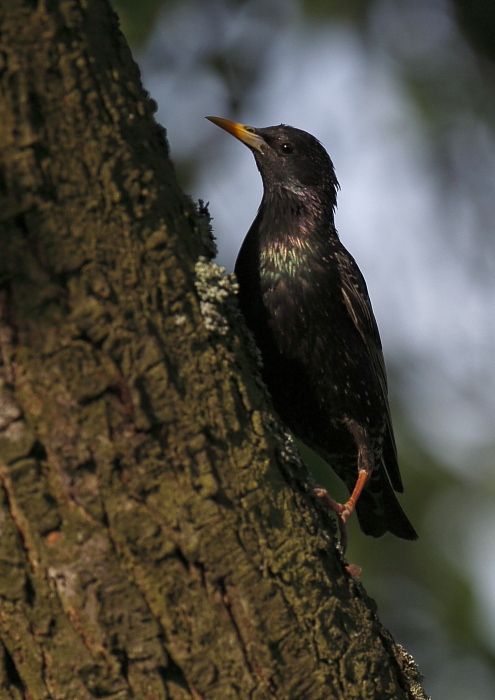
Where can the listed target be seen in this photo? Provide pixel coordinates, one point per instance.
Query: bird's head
(287, 158)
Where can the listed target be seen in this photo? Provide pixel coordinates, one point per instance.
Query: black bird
(307, 305)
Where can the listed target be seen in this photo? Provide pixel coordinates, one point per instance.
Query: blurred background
(402, 95)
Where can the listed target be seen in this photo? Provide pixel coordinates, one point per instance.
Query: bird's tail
(379, 511)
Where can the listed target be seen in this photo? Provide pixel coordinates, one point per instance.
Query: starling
(307, 305)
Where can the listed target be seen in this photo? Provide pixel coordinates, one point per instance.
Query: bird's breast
(302, 301)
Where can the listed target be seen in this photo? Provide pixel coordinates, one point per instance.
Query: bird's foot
(344, 510)
(341, 510)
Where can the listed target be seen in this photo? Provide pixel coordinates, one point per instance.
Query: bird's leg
(364, 466)
(365, 460)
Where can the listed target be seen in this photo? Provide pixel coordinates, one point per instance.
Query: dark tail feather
(379, 511)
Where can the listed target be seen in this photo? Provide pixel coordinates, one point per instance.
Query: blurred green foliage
(477, 22)
(137, 18)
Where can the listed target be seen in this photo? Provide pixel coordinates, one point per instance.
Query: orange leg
(365, 462)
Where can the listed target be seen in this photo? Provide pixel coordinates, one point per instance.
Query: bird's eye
(286, 148)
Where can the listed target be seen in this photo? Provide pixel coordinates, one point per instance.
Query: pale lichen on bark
(216, 292)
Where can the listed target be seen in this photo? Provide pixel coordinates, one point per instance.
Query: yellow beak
(246, 134)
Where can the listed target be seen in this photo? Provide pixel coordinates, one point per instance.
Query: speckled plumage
(306, 302)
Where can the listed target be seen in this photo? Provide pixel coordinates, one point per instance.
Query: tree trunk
(158, 540)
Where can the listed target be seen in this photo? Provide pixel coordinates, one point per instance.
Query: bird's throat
(291, 236)
(288, 256)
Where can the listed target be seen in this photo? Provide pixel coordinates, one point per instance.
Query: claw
(340, 511)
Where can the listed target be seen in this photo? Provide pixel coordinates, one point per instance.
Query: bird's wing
(357, 302)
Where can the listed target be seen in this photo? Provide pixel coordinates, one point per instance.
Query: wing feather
(357, 302)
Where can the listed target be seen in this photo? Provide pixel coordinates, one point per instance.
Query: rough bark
(157, 540)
